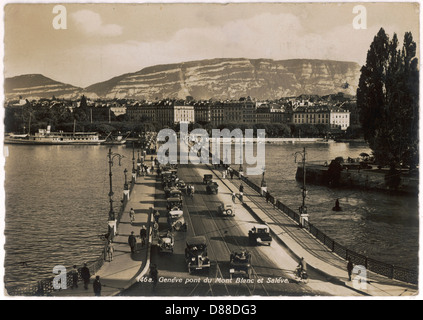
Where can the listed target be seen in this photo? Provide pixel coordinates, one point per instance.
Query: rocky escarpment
(205, 79)
(234, 78)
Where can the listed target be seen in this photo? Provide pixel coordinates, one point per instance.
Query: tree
(387, 100)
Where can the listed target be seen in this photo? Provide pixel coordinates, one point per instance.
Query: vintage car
(207, 178)
(226, 209)
(240, 263)
(174, 202)
(182, 186)
(196, 254)
(175, 193)
(212, 187)
(166, 175)
(166, 243)
(259, 234)
(172, 192)
(175, 219)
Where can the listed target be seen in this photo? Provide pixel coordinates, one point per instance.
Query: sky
(102, 41)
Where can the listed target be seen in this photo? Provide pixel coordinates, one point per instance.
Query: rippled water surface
(379, 225)
(57, 205)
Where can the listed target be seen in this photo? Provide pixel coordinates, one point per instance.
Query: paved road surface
(272, 266)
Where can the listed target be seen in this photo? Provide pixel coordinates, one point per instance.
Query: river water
(57, 206)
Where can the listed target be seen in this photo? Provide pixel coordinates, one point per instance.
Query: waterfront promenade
(301, 243)
(122, 272)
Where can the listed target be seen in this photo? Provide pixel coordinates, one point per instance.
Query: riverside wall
(364, 179)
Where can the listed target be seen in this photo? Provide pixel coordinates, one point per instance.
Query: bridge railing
(382, 268)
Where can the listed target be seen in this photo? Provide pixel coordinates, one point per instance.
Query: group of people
(132, 239)
(143, 170)
(85, 275)
(240, 194)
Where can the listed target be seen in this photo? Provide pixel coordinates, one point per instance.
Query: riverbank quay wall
(363, 179)
(45, 287)
(388, 270)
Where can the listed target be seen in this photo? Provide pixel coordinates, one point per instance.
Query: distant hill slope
(35, 86)
(215, 78)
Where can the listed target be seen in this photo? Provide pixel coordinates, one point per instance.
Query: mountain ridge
(219, 78)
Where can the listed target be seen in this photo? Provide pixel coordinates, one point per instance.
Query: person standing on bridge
(241, 188)
(132, 241)
(110, 250)
(154, 274)
(143, 235)
(75, 277)
(85, 275)
(97, 286)
(350, 267)
(267, 197)
(132, 215)
(156, 215)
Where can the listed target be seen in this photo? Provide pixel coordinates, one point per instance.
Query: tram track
(229, 248)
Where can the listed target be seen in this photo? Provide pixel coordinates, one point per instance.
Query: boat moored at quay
(46, 137)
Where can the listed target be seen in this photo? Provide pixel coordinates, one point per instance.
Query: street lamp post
(263, 182)
(133, 157)
(126, 187)
(112, 216)
(303, 208)
(241, 169)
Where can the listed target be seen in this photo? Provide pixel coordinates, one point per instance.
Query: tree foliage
(387, 100)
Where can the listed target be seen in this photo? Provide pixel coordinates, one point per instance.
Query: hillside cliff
(219, 79)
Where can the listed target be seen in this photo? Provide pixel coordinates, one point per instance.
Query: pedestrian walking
(156, 216)
(85, 275)
(75, 277)
(132, 241)
(231, 172)
(241, 188)
(233, 197)
(143, 235)
(267, 196)
(241, 197)
(350, 267)
(154, 274)
(132, 215)
(110, 250)
(97, 286)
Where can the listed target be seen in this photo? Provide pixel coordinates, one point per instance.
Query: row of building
(170, 112)
(167, 113)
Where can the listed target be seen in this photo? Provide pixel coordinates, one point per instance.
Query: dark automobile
(207, 178)
(240, 263)
(259, 234)
(174, 202)
(196, 254)
(212, 187)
